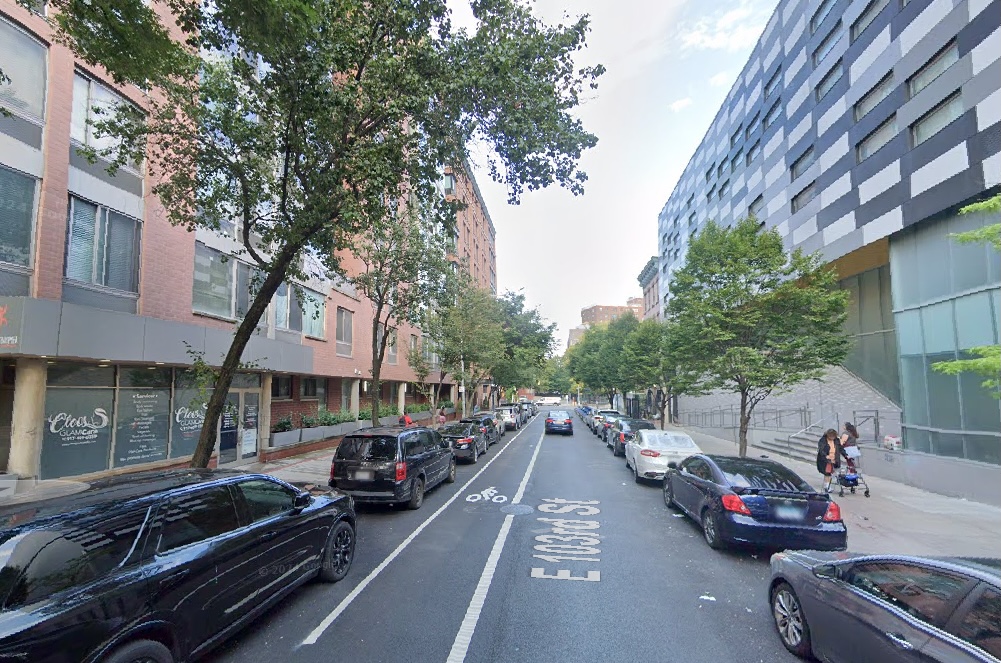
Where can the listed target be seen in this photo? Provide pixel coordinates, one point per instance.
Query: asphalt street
(545, 550)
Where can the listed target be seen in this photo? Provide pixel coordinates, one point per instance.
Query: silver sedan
(648, 454)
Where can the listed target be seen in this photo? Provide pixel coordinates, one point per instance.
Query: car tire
(636, 475)
(417, 493)
(790, 622)
(476, 454)
(710, 529)
(338, 553)
(668, 490)
(450, 477)
(141, 651)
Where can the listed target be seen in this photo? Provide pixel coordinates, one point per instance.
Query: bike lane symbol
(488, 495)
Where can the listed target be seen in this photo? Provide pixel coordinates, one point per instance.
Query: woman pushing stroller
(829, 454)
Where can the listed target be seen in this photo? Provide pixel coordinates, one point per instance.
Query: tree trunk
(611, 400)
(214, 408)
(745, 418)
(376, 369)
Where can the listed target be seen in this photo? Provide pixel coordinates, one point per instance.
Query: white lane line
(346, 601)
(465, 635)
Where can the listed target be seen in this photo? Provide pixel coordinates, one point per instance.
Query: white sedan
(648, 454)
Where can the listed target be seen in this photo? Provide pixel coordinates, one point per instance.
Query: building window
(314, 313)
(24, 63)
(724, 189)
(691, 199)
(800, 165)
(345, 321)
(102, 246)
(877, 139)
(800, 200)
(753, 152)
(773, 114)
(772, 83)
(413, 343)
(867, 16)
(933, 69)
(213, 287)
(93, 102)
(829, 81)
(392, 348)
(937, 119)
(873, 97)
(818, 17)
(756, 208)
(736, 135)
(735, 161)
(448, 184)
(307, 388)
(281, 387)
(691, 220)
(752, 126)
(827, 45)
(17, 212)
(709, 173)
(709, 196)
(720, 169)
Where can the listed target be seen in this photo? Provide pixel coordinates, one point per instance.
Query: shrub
(308, 421)
(418, 407)
(365, 414)
(282, 424)
(446, 404)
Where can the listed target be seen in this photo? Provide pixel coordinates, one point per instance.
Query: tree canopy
(528, 340)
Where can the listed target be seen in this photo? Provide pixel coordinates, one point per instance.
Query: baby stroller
(850, 476)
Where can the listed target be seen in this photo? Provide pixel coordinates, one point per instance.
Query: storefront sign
(77, 435)
(10, 324)
(142, 426)
(186, 421)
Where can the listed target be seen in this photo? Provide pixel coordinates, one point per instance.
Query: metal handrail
(837, 418)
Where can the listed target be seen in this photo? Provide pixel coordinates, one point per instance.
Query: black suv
(622, 431)
(488, 425)
(162, 565)
(468, 442)
(392, 464)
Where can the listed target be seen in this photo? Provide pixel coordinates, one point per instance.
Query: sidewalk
(311, 468)
(897, 518)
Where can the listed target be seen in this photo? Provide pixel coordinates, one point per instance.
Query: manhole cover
(517, 509)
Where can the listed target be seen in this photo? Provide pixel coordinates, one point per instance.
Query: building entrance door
(238, 433)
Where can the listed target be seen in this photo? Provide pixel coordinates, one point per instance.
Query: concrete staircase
(799, 446)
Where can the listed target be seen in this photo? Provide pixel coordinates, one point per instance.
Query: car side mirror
(672, 465)
(828, 571)
(302, 500)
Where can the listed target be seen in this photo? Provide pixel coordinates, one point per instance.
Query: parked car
(487, 423)
(888, 608)
(753, 501)
(392, 464)
(559, 421)
(160, 566)
(649, 452)
(622, 431)
(549, 401)
(598, 417)
(608, 420)
(467, 440)
(509, 416)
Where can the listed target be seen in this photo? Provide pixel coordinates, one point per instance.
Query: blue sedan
(753, 502)
(559, 421)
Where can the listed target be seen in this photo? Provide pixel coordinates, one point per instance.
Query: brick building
(598, 314)
(650, 282)
(102, 300)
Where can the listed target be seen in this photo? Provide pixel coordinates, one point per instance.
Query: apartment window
(936, 119)
(345, 321)
(800, 200)
(93, 102)
(709, 173)
(756, 207)
(772, 83)
(772, 115)
(933, 69)
(213, 287)
(800, 165)
(709, 196)
(392, 348)
(691, 220)
(818, 17)
(867, 16)
(829, 81)
(314, 313)
(448, 184)
(281, 387)
(735, 161)
(24, 63)
(736, 135)
(720, 169)
(877, 139)
(691, 199)
(873, 97)
(724, 189)
(753, 152)
(102, 246)
(413, 343)
(307, 388)
(752, 126)
(827, 45)
(17, 212)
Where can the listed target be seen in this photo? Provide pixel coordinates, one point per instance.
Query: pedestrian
(849, 443)
(829, 452)
(441, 417)
(405, 420)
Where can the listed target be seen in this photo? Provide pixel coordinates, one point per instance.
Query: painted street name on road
(569, 540)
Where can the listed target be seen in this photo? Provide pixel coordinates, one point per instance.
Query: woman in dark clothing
(849, 438)
(829, 453)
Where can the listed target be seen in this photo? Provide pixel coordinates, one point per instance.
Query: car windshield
(367, 448)
(768, 476)
(665, 441)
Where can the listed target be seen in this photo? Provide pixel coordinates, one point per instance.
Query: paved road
(491, 581)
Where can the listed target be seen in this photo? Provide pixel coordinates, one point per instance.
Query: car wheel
(141, 651)
(476, 454)
(339, 553)
(417, 492)
(636, 475)
(790, 621)
(450, 477)
(669, 494)
(710, 531)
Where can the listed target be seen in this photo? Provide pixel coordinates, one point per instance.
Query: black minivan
(393, 464)
(160, 566)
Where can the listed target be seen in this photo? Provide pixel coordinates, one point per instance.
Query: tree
(985, 360)
(610, 359)
(304, 121)
(555, 377)
(646, 361)
(585, 365)
(528, 340)
(752, 319)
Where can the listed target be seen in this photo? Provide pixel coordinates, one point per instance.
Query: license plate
(788, 513)
(364, 475)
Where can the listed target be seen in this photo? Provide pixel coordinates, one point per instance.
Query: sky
(670, 65)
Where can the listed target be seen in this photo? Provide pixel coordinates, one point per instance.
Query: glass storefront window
(943, 395)
(142, 426)
(917, 440)
(80, 375)
(77, 434)
(913, 389)
(143, 376)
(186, 420)
(948, 444)
(980, 406)
(984, 448)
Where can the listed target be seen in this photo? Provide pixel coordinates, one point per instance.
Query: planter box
(285, 438)
(449, 410)
(8, 484)
(341, 429)
(311, 434)
(389, 421)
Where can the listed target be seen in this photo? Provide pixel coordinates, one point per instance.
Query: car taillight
(650, 453)
(833, 514)
(568, 422)
(735, 504)
(401, 471)
(549, 421)
(483, 430)
(331, 470)
(465, 440)
(622, 437)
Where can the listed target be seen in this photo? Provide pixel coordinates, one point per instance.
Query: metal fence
(762, 418)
